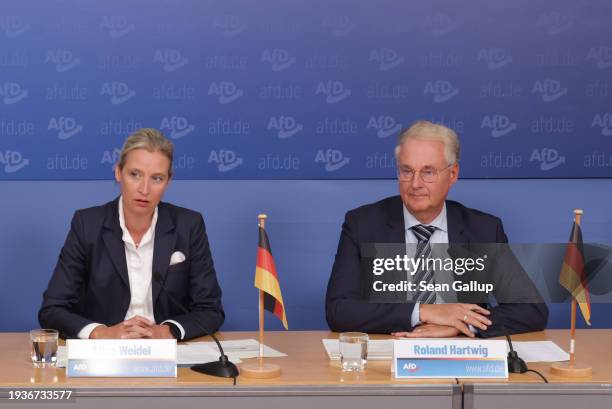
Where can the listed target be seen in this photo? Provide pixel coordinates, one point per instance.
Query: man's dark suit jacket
(383, 222)
(90, 282)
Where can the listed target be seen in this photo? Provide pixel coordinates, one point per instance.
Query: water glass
(43, 346)
(353, 350)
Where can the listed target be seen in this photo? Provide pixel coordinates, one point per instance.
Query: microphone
(223, 368)
(515, 362)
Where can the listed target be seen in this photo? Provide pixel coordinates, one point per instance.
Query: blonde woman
(107, 281)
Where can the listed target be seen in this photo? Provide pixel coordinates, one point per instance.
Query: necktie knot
(422, 232)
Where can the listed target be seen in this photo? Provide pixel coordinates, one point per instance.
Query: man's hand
(429, 331)
(161, 332)
(456, 315)
(135, 327)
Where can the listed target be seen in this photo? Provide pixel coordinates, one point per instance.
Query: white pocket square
(177, 257)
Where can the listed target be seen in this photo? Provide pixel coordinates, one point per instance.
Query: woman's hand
(135, 327)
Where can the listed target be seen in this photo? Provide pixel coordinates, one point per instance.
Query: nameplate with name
(449, 358)
(121, 357)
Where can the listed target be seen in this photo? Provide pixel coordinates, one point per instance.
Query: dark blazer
(383, 222)
(90, 282)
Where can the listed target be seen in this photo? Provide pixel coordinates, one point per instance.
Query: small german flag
(266, 279)
(573, 275)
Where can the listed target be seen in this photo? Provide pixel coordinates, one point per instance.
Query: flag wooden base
(577, 370)
(260, 371)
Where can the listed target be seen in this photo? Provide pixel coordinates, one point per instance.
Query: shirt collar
(127, 237)
(439, 222)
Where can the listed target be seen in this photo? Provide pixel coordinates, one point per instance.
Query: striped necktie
(423, 234)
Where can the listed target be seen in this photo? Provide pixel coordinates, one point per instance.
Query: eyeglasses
(428, 174)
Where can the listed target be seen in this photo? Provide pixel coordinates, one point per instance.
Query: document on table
(530, 351)
(197, 353)
(241, 349)
(540, 351)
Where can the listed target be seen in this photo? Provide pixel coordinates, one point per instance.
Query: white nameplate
(449, 358)
(121, 357)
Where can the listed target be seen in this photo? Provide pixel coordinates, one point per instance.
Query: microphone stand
(223, 368)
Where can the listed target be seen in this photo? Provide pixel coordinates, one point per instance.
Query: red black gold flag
(266, 279)
(573, 275)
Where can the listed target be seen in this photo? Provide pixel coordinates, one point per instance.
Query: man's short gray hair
(427, 130)
(150, 139)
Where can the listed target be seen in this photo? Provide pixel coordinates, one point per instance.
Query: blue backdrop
(299, 90)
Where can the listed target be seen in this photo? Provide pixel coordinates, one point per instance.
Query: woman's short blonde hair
(150, 139)
(436, 132)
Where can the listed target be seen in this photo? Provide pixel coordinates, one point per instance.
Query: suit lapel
(395, 221)
(165, 240)
(455, 223)
(458, 236)
(113, 240)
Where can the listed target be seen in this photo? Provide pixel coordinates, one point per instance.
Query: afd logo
(13, 26)
(384, 125)
(442, 91)
(225, 159)
(332, 158)
(227, 92)
(13, 161)
(411, 367)
(11, 93)
(63, 60)
(551, 90)
(601, 55)
(495, 57)
(229, 25)
(499, 125)
(334, 91)
(116, 26)
(339, 26)
(549, 158)
(110, 157)
(178, 126)
(119, 92)
(80, 367)
(604, 121)
(170, 59)
(286, 126)
(555, 23)
(386, 58)
(279, 59)
(440, 24)
(66, 127)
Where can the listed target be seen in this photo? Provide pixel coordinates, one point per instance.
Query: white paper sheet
(540, 351)
(530, 351)
(197, 353)
(242, 349)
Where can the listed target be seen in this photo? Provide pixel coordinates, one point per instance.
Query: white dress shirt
(140, 266)
(440, 235)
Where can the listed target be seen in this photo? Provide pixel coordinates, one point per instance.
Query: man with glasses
(427, 167)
